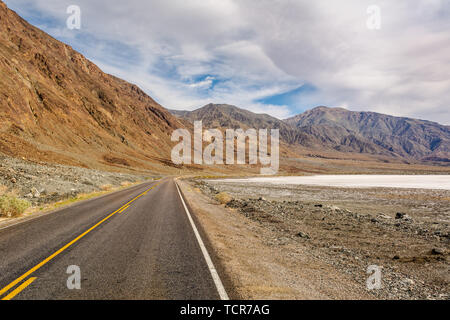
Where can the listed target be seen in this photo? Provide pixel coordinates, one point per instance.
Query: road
(137, 243)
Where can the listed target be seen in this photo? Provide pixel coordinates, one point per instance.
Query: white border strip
(220, 288)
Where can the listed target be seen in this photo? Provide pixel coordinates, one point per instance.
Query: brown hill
(57, 106)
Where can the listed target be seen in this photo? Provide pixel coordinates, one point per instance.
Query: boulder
(303, 235)
(35, 192)
(402, 216)
(437, 251)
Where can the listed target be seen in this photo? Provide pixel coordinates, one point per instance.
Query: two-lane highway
(138, 243)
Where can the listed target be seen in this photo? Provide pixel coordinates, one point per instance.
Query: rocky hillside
(228, 116)
(340, 130)
(57, 106)
(405, 137)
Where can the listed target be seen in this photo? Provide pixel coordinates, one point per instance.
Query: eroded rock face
(57, 106)
(372, 132)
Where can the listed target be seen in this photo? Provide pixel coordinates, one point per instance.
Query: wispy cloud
(257, 54)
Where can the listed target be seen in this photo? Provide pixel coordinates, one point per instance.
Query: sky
(280, 57)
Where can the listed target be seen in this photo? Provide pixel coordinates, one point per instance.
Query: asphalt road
(147, 251)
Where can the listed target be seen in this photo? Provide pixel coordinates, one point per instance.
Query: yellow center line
(124, 209)
(19, 289)
(39, 265)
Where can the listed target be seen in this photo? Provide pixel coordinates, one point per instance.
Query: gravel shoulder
(42, 183)
(312, 242)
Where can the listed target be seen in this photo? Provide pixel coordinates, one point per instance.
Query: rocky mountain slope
(56, 106)
(231, 117)
(340, 130)
(406, 137)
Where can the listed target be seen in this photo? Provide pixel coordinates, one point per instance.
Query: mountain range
(340, 130)
(56, 106)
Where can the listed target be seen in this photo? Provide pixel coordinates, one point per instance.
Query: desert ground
(290, 241)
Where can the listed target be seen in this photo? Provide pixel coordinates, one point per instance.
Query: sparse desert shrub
(223, 197)
(106, 187)
(3, 190)
(11, 206)
(125, 183)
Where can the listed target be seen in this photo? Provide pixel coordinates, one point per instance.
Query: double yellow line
(51, 257)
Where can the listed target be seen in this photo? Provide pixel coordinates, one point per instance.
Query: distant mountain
(228, 116)
(178, 113)
(340, 130)
(406, 137)
(57, 106)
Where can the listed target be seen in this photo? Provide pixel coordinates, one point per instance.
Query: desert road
(137, 243)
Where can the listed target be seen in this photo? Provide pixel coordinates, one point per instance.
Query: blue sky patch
(291, 98)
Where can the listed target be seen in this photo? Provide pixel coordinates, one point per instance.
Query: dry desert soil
(315, 242)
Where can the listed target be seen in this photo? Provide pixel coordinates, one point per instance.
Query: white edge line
(220, 288)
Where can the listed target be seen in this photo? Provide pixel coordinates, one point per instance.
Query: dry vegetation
(106, 187)
(223, 197)
(10, 205)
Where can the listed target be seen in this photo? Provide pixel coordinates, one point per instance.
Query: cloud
(251, 53)
(204, 84)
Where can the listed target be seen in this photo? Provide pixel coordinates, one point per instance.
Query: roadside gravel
(45, 183)
(403, 231)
